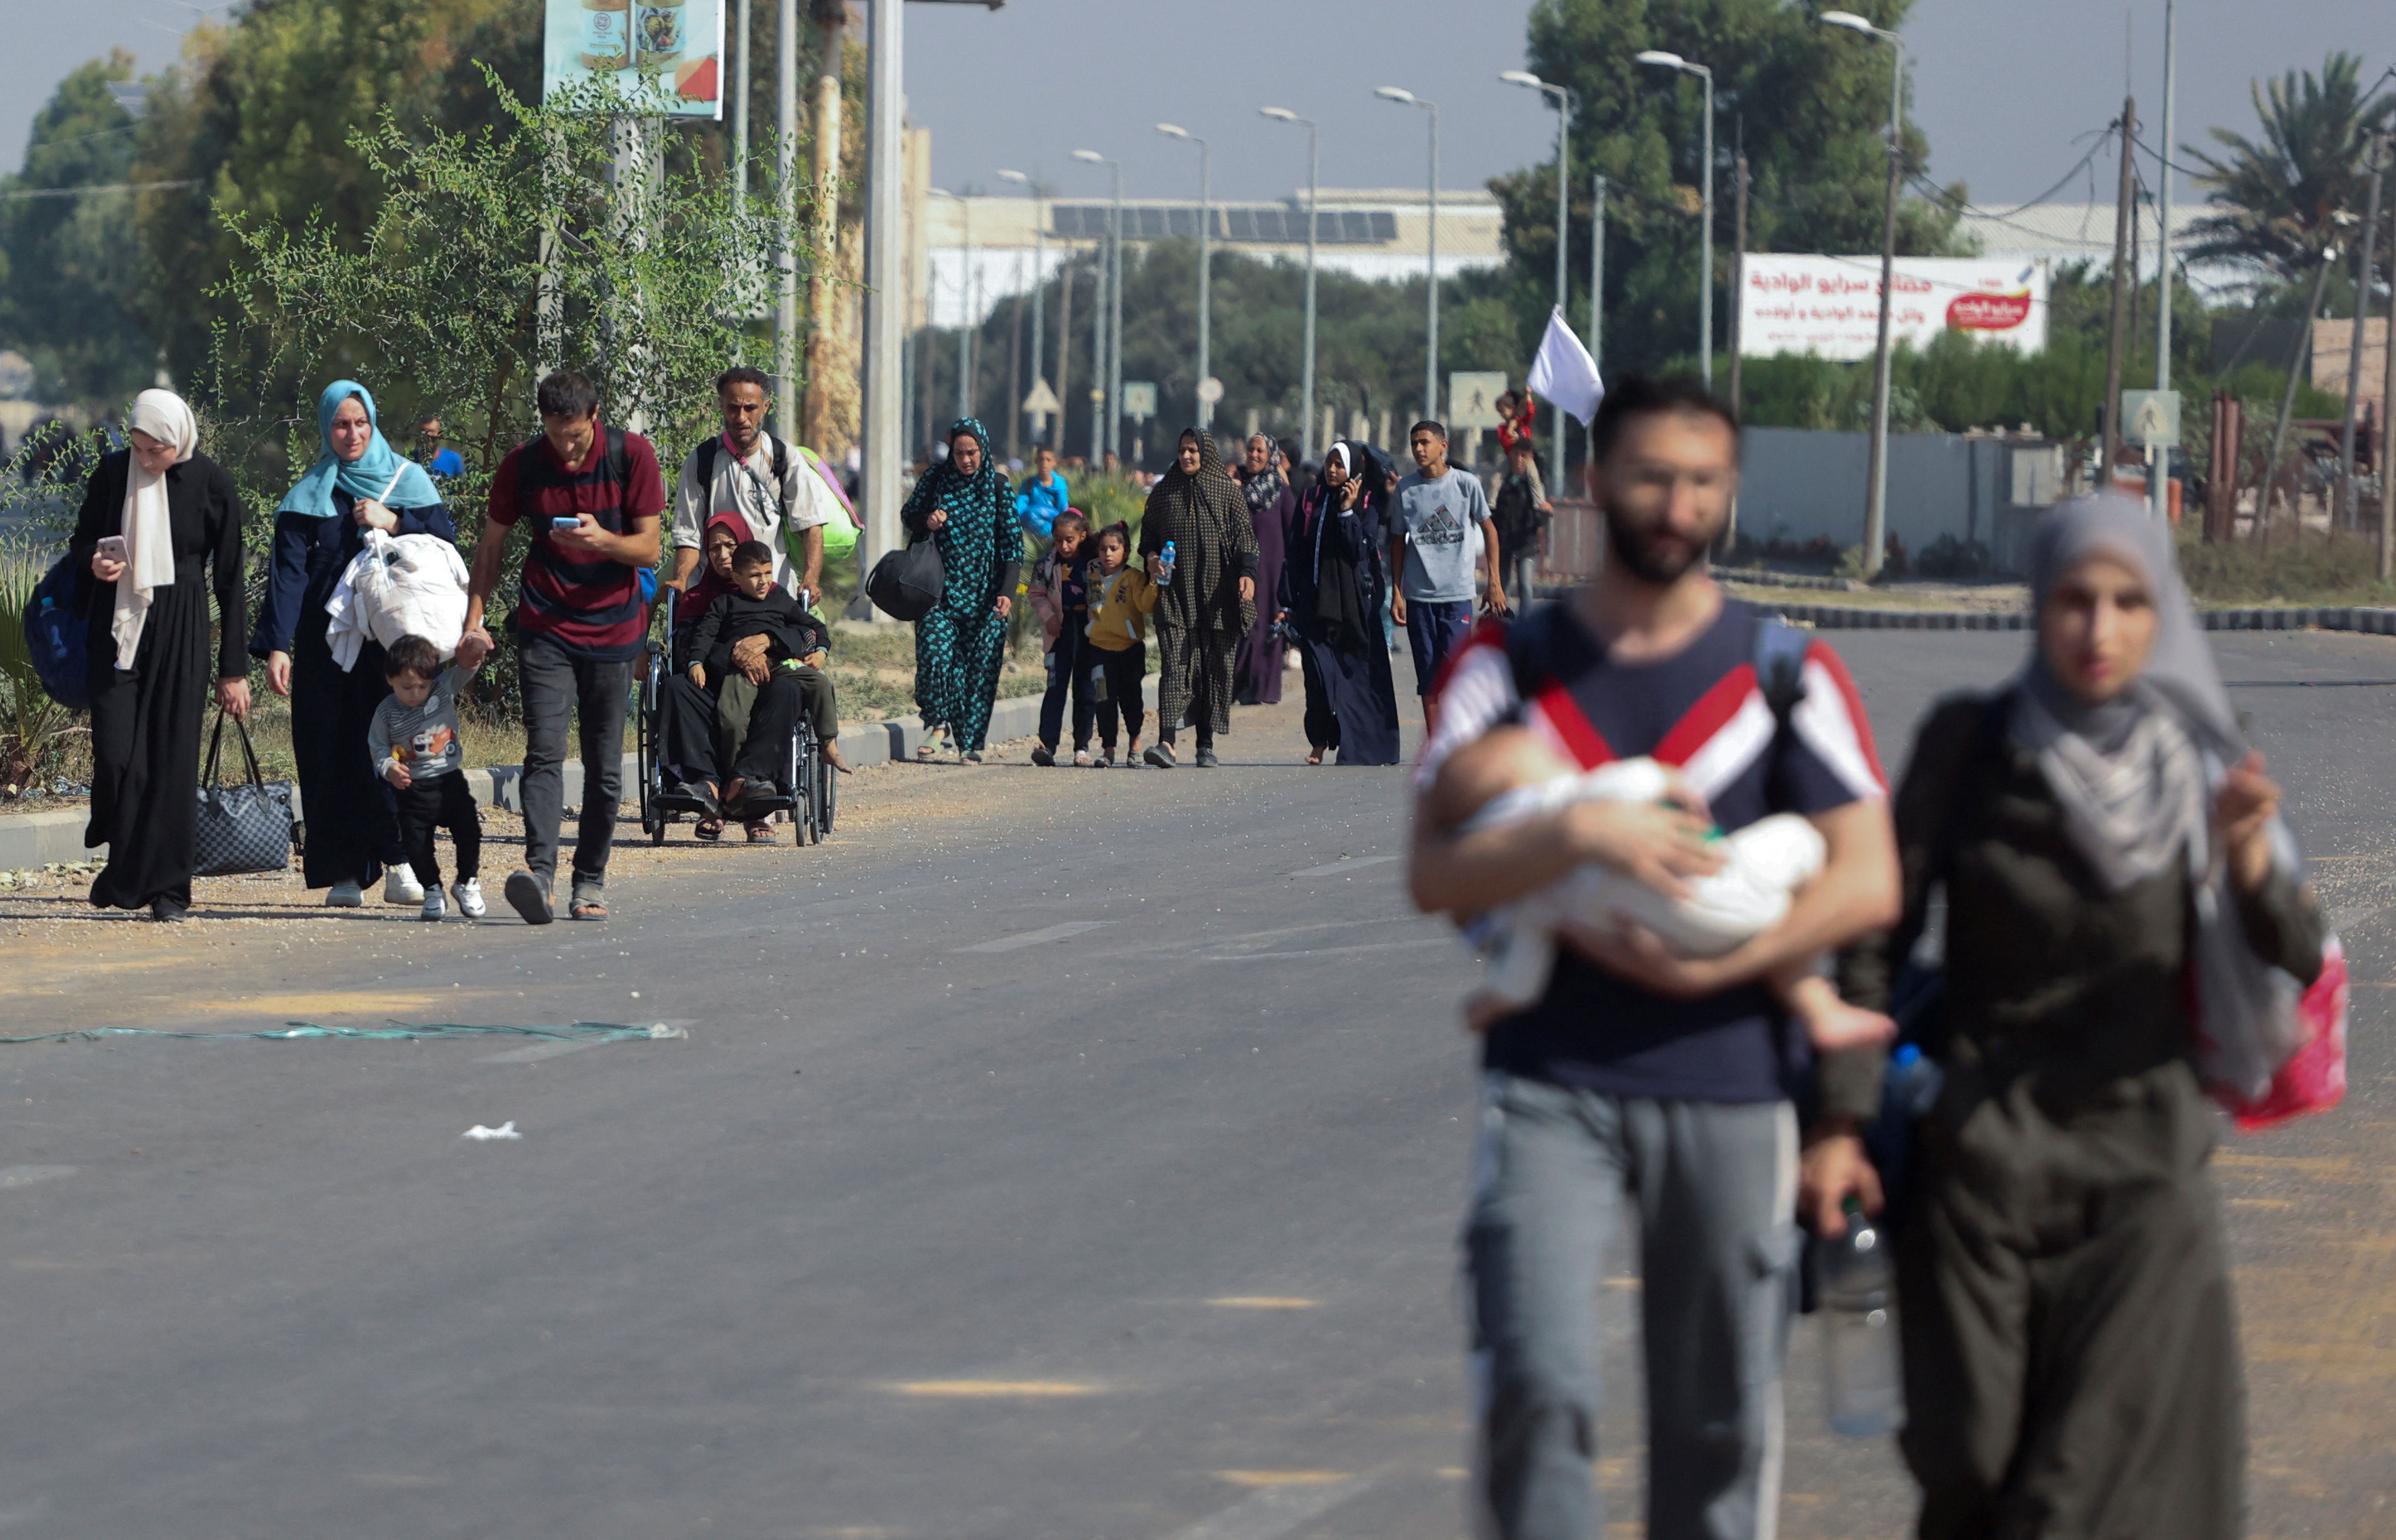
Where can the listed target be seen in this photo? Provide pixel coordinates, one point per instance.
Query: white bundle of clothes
(413, 585)
(1764, 866)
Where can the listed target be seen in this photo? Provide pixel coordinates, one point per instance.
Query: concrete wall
(1797, 485)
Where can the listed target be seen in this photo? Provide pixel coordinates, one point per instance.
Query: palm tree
(2282, 200)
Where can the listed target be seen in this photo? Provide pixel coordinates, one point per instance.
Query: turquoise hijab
(367, 476)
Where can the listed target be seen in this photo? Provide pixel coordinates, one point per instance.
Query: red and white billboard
(1829, 306)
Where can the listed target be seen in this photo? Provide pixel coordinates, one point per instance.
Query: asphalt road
(1052, 1155)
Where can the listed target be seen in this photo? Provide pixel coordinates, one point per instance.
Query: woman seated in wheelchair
(747, 665)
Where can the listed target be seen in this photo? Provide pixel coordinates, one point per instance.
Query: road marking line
(1033, 938)
(1262, 1479)
(1263, 1302)
(1345, 863)
(1338, 952)
(994, 1390)
(1271, 1512)
(26, 1176)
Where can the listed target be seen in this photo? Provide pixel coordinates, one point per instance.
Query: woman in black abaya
(1333, 590)
(147, 606)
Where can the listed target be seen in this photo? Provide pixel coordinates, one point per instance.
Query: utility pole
(741, 103)
(2349, 513)
(2159, 478)
(1064, 346)
(1597, 272)
(1737, 272)
(830, 19)
(2386, 413)
(886, 241)
(787, 400)
(1039, 294)
(2117, 336)
(1012, 396)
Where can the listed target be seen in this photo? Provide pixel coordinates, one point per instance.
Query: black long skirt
(352, 823)
(1351, 703)
(145, 748)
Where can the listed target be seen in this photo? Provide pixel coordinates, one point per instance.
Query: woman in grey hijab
(2110, 849)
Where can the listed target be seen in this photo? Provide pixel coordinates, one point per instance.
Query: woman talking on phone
(153, 516)
(358, 482)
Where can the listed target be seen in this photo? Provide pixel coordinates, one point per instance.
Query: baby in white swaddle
(1509, 774)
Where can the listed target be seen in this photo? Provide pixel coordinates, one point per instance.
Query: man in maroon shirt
(593, 496)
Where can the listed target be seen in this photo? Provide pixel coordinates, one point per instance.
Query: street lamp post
(1876, 474)
(1313, 172)
(965, 303)
(1663, 60)
(1039, 278)
(1205, 264)
(1431, 322)
(1114, 304)
(1563, 99)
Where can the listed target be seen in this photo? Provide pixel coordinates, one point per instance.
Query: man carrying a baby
(1645, 1070)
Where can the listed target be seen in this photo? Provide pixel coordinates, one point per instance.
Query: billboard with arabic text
(1829, 306)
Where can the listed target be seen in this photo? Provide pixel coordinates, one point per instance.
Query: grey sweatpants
(1715, 1185)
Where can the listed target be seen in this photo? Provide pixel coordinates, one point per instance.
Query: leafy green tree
(2282, 200)
(71, 261)
(1809, 104)
(491, 257)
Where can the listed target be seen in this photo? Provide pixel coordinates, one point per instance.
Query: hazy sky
(2001, 87)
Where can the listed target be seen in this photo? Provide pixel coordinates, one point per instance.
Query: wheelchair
(810, 803)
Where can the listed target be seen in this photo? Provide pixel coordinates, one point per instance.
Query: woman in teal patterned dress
(967, 509)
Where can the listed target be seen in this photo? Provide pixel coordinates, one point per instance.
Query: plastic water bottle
(1164, 561)
(1858, 1317)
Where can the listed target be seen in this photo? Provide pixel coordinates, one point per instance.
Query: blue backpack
(54, 634)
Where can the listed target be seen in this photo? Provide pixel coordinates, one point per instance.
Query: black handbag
(242, 827)
(907, 582)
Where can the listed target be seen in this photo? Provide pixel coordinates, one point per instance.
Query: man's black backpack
(713, 445)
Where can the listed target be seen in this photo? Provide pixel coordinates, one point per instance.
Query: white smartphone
(112, 547)
(566, 524)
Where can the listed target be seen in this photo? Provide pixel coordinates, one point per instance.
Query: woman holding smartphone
(358, 482)
(153, 515)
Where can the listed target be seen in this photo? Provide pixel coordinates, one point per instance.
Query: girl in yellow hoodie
(1119, 595)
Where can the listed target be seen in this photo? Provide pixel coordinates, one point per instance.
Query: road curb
(41, 839)
(2363, 620)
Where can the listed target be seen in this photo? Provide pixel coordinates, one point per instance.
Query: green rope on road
(572, 1031)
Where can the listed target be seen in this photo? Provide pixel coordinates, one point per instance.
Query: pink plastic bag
(2313, 1078)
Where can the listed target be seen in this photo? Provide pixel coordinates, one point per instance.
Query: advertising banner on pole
(1829, 306)
(676, 44)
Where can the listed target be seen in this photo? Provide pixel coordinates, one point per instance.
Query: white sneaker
(433, 908)
(399, 887)
(468, 895)
(345, 895)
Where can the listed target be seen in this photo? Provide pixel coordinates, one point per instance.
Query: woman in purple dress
(1256, 671)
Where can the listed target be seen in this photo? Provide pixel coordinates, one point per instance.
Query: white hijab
(149, 536)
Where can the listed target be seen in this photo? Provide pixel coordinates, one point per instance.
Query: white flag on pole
(1564, 373)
